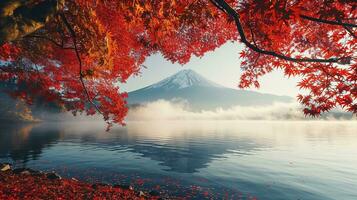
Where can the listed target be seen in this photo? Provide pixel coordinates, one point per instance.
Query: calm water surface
(207, 160)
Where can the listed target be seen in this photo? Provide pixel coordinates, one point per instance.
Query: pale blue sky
(220, 66)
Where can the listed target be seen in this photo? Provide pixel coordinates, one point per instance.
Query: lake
(197, 159)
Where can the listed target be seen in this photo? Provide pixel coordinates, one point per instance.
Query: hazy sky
(220, 66)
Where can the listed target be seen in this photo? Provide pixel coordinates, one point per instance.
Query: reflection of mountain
(201, 93)
(184, 151)
(190, 158)
(25, 142)
(182, 155)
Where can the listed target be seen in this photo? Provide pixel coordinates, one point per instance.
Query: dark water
(219, 160)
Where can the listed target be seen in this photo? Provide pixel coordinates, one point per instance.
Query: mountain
(200, 93)
(184, 79)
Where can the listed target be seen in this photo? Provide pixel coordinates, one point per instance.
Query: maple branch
(349, 31)
(51, 40)
(231, 12)
(338, 23)
(346, 26)
(217, 5)
(252, 34)
(74, 38)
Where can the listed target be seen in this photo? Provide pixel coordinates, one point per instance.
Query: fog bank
(166, 110)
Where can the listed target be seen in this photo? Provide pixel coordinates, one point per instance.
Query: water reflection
(24, 142)
(175, 147)
(270, 160)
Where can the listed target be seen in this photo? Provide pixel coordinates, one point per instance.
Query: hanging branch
(337, 23)
(73, 35)
(223, 5)
(60, 45)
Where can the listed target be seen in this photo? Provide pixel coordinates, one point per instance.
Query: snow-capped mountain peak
(183, 79)
(200, 93)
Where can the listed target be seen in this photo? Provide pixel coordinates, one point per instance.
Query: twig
(325, 21)
(73, 34)
(51, 40)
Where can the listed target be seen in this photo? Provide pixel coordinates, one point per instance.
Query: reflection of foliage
(24, 142)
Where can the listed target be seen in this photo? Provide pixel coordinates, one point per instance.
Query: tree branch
(74, 38)
(231, 12)
(19, 18)
(348, 29)
(217, 5)
(51, 40)
(337, 23)
(350, 32)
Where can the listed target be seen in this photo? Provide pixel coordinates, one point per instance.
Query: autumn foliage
(25, 186)
(84, 49)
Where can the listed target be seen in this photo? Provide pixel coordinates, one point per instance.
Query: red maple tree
(75, 52)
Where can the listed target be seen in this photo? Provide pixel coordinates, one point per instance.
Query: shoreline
(25, 183)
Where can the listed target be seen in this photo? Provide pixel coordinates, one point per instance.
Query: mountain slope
(183, 79)
(201, 93)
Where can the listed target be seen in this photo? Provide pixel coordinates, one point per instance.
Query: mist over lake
(207, 159)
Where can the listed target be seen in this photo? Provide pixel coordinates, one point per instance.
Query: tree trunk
(19, 18)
